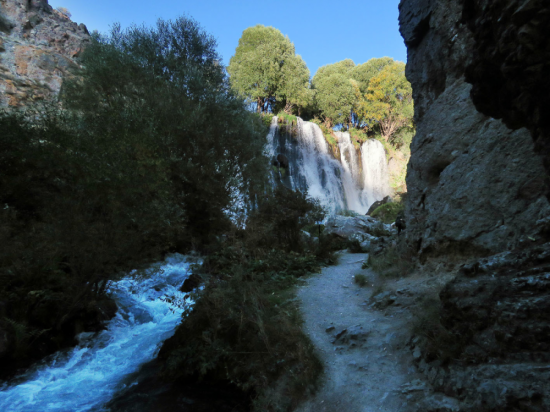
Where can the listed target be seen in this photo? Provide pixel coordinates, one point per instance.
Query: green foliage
(289, 119)
(388, 212)
(246, 326)
(147, 155)
(334, 92)
(388, 102)
(362, 73)
(348, 213)
(360, 279)
(165, 89)
(266, 70)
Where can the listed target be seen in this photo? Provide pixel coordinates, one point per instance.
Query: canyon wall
(38, 46)
(476, 183)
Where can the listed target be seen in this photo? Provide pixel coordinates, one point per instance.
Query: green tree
(163, 92)
(388, 101)
(335, 92)
(266, 70)
(362, 73)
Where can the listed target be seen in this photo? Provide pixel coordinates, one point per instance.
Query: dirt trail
(368, 366)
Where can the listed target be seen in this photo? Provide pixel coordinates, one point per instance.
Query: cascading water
(87, 376)
(375, 171)
(354, 182)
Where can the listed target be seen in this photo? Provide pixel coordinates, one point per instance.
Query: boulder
(360, 228)
(191, 283)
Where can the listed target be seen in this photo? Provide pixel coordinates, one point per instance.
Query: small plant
(361, 280)
(64, 11)
(365, 265)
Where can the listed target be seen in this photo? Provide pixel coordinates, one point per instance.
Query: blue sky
(323, 31)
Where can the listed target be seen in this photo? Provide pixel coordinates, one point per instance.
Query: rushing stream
(87, 376)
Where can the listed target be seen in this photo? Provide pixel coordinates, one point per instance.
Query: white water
(87, 376)
(375, 171)
(354, 182)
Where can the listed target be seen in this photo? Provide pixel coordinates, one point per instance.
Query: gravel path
(367, 364)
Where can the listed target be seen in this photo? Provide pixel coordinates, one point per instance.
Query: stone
(38, 50)
(474, 184)
(360, 228)
(191, 283)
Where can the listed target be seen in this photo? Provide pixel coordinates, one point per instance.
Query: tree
(362, 73)
(162, 94)
(388, 101)
(265, 69)
(335, 92)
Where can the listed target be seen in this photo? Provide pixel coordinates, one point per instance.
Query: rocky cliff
(38, 46)
(476, 184)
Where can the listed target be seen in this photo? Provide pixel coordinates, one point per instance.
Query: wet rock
(191, 283)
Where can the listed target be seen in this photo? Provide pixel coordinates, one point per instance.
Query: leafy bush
(245, 326)
(148, 155)
(388, 212)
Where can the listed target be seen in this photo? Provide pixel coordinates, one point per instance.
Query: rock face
(478, 184)
(475, 185)
(38, 46)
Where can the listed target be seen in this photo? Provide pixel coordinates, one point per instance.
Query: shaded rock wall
(475, 185)
(478, 183)
(38, 45)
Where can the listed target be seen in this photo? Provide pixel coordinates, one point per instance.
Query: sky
(322, 31)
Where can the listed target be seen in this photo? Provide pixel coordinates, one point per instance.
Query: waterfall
(352, 182)
(87, 376)
(375, 171)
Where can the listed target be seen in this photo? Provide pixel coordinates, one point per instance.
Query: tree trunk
(259, 107)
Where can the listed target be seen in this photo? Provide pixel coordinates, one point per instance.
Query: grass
(287, 118)
(348, 213)
(361, 280)
(246, 328)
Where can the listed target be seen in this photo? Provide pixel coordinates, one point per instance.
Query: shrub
(64, 11)
(246, 326)
(388, 212)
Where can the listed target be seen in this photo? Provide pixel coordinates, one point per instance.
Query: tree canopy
(266, 70)
(374, 95)
(388, 101)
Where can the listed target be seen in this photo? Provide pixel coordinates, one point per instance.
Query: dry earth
(365, 345)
